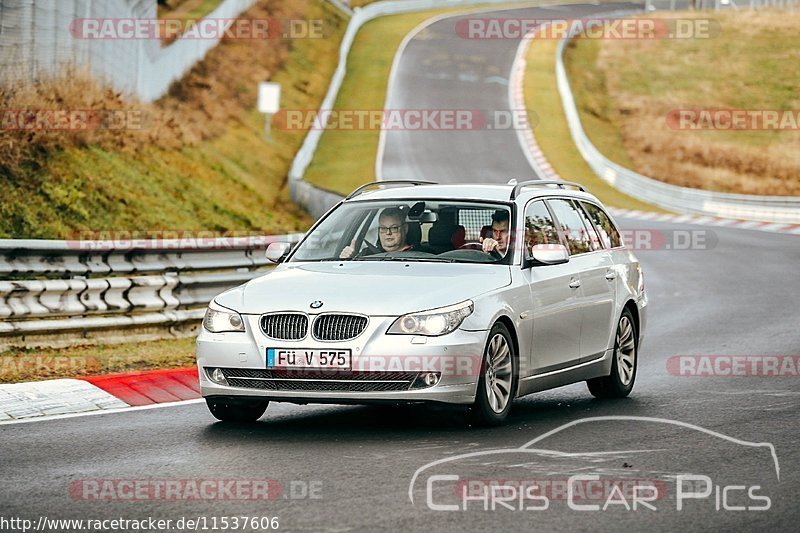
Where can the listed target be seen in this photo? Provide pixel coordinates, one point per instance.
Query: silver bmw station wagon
(416, 292)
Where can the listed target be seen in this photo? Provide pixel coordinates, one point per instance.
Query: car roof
(465, 191)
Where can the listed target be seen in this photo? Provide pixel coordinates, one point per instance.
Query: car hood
(372, 288)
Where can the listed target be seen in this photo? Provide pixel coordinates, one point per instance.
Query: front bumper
(456, 357)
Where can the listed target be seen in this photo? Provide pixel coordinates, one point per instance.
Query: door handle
(611, 275)
(574, 284)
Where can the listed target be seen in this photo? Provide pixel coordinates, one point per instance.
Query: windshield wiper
(376, 258)
(404, 259)
(430, 259)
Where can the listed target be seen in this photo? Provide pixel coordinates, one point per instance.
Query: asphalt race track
(343, 468)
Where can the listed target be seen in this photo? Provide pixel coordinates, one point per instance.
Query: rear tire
(497, 384)
(624, 361)
(239, 411)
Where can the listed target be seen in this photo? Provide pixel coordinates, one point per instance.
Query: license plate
(303, 358)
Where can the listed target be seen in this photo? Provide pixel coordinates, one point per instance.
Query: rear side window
(539, 226)
(594, 239)
(608, 233)
(571, 222)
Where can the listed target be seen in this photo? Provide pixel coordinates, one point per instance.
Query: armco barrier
(57, 292)
(780, 209)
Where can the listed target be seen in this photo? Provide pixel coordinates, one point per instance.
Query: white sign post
(269, 102)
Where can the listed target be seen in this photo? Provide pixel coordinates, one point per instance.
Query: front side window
(411, 230)
(571, 223)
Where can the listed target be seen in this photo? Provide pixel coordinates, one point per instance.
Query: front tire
(239, 411)
(625, 359)
(498, 379)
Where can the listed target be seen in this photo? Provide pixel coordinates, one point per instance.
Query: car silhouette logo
(316, 304)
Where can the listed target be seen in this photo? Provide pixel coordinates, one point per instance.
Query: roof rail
(532, 183)
(387, 182)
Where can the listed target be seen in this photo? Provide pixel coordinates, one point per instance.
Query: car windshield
(436, 231)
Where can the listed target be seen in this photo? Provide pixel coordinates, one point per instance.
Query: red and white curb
(516, 95)
(22, 401)
(789, 229)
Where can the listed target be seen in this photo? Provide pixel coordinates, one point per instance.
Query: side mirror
(548, 254)
(277, 251)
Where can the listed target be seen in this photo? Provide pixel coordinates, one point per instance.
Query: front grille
(317, 380)
(339, 327)
(285, 326)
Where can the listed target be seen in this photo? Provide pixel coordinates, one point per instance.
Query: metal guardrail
(779, 209)
(57, 292)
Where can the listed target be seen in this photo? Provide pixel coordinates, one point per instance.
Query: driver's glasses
(499, 233)
(389, 229)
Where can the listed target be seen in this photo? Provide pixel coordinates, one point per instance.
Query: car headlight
(219, 319)
(432, 323)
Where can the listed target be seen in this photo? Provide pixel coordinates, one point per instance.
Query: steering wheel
(371, 248)
(479, 248)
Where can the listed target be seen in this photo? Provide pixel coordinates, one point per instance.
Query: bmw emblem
(316, 304)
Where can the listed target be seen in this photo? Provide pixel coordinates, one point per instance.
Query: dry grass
(23, 147)
(635, 84)
(17, 365)
(201, 162)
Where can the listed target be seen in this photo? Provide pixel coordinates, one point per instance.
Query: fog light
(430, 379)
(218, 377)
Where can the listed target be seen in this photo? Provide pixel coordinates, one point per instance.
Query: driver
(498, 242)
(392, 231)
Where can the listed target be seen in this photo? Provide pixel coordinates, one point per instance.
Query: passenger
(498, 243)
(392, 231)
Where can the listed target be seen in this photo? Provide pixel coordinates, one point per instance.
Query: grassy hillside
(200, 162)
(364, 87)
(625, 89)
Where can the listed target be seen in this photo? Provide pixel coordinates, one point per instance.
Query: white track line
(100, 412)
(396, 62)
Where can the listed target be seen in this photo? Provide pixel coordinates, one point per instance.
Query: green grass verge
(364, 87)
(18, 365)
(552, 133)
(188, 9)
